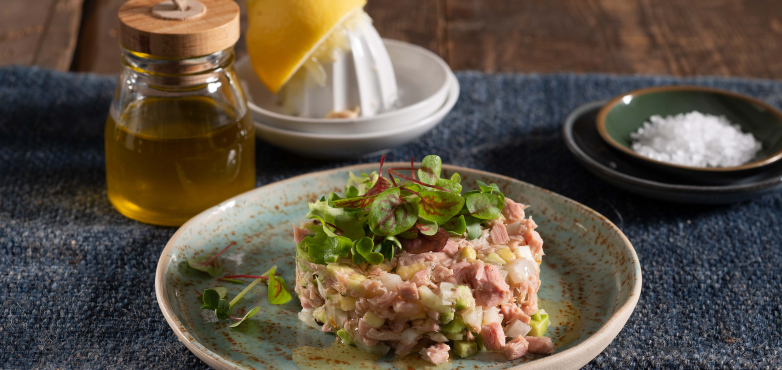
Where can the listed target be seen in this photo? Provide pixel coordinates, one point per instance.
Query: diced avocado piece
(454, 327)
(539, 324)
(494, 259)
(464, 348)
(446, 317)
(373, 321)
(320, 314)
(464, 298)
(479, 341)
(345, 336)
(468, 253)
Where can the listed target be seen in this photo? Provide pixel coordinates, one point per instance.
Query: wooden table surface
(675, 37)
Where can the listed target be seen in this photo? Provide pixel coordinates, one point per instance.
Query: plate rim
(574, 357)
(590, 163)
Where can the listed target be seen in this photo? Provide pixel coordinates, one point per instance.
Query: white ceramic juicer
(358, 81)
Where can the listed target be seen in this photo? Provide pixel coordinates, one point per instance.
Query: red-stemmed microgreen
(208, 263)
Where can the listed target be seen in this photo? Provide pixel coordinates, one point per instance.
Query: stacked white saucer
(389, 114)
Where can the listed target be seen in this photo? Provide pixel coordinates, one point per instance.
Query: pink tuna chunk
(299, 234)
(499, 234)
(513, 211)
(491, 288)
(408, 291)
(540, 345)
(363, 330)
(436, 354)
(493, 337)
(511, 312)
(440, 273)
(516, 348)
(421, 278)
(451, 247)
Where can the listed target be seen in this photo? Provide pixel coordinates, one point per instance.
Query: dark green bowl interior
(630, 114)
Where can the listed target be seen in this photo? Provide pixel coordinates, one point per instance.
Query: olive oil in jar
(168, 159)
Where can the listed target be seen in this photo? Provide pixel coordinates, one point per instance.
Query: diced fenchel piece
(539, 323)
(468, 253)
(465, 349)
(372, 320)
(506, 254)
(495, 259)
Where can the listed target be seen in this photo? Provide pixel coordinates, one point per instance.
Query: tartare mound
(475, 290)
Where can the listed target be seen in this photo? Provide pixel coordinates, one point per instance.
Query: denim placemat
(76, 277)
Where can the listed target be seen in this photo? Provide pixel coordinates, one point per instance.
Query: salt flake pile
(695, 139)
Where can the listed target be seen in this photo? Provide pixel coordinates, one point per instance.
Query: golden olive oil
(168, 159)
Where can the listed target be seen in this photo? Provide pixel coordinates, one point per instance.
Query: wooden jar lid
(158, 28)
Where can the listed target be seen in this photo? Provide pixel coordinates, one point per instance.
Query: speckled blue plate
(591, 278)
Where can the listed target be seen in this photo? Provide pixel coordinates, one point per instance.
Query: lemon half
(282, 34)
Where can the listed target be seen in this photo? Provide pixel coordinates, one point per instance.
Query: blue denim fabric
(76, 277)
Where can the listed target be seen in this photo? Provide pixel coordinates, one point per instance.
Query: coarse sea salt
(695, 139)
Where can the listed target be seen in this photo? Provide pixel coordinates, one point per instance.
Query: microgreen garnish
(208, 263)
(485, 206)
(278, 291)
(214, 299)
(456, 226)
(379, 215)
(248, 315)
(391, 214)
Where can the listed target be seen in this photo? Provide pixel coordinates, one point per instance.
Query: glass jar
(179, 137)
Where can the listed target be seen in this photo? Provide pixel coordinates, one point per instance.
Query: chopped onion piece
(446, 292)
(473, 317)
(491, 315)
(307, 318)
(410, 336)
(391, 281)
(520, 270)
(437, 337)
(523, 251)
(517, 328)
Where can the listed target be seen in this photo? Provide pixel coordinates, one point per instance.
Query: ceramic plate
(609, 164)
(591, 279)
(422, 78)
(323, 146)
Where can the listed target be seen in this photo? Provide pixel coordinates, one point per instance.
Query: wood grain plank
(60, 35)
(415, 21)
(697, 37)
(39, 32)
